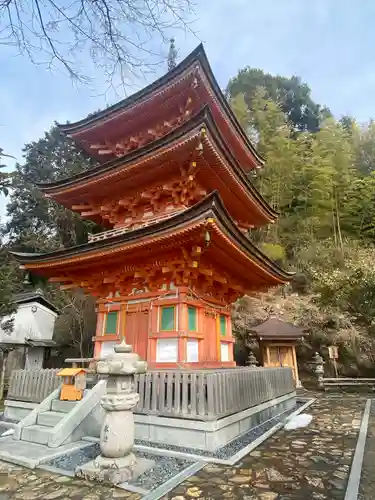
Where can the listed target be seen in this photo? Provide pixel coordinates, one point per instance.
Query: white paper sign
(167, 350)
(224, 351)
(192, 354)
(107, 349)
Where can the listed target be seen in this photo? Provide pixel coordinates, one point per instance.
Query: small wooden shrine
(277, 344)
(74, 383)
(172, 191)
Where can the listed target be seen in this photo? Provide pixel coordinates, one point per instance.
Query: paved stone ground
(367, 486)
(17, 483)
(309, 463)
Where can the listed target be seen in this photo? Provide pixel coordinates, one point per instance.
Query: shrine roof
(209, 211)
(197, 56)
(34, 296)
(67, 191)
(274, 328)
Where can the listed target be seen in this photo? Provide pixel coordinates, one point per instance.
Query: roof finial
(172, 55)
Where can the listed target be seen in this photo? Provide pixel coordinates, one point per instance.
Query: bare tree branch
(121, 37)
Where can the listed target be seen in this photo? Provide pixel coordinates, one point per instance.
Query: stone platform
(32, 454)
(209, 435)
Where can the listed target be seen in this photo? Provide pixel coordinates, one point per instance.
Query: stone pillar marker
(117, 463)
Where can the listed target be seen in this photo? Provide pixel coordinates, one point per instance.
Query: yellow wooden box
(74, 384)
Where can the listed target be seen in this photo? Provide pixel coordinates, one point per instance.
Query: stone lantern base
(114, 470)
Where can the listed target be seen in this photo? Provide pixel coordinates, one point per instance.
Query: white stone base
(17, 410)
(114, 470)
(209, 435)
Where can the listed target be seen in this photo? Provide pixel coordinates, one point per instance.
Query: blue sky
(328, 43)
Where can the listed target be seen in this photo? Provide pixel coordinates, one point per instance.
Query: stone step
(50, 418)
(37, 434)
(62, 406)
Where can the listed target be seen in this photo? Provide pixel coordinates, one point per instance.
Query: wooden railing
(121, 230)
(32, 385)
(198, 395)
(209, 395)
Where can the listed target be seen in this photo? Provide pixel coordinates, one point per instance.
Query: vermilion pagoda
(173, 191)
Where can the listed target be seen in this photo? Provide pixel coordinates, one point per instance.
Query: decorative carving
(148, 134)
(149, 205)
(189, 268)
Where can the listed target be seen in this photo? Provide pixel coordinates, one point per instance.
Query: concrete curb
(356, 468)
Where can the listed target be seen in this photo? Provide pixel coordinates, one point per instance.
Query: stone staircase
(54, 423)
(46, 422)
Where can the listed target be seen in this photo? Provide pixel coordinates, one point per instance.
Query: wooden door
(281, 356)
(136, 330)
(210, 342)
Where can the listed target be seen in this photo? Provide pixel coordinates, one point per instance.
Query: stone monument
(117, 463)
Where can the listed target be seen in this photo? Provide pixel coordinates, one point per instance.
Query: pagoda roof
(171, 81)
(136, 168)
(229, 249)
(274, 329)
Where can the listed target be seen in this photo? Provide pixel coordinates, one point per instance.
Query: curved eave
(210, 207)
(202, 119)
(198, 55)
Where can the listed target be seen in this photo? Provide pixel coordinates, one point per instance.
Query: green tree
(37, 223)
(293, 96)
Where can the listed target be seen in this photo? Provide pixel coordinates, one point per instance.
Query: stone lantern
(252, 360)
(319, 369)
(117, 462)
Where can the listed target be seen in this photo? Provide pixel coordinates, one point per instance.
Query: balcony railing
(121, 230)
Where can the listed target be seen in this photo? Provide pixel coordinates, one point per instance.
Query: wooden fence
(32, 385)
(208, 394)
(198, 395)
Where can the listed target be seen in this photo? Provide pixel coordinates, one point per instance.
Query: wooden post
(268, 355)
(218, 337)
(2, 374)
(297, 380)
(123, 322)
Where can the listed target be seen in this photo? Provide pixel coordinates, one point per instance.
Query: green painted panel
(111, 323)
(223, 324)
(167, 318)
(192, 319)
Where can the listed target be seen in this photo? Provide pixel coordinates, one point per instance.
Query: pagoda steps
(50, 418)
(39, 434)
(54, 423)
(62, 406)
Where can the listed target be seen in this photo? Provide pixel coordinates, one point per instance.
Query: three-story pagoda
(172, 189)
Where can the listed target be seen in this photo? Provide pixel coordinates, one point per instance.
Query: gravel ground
(164, 469)
(227, 451)
(367, 485)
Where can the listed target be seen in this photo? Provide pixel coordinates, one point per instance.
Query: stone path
(310, 463)
(17, 483)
